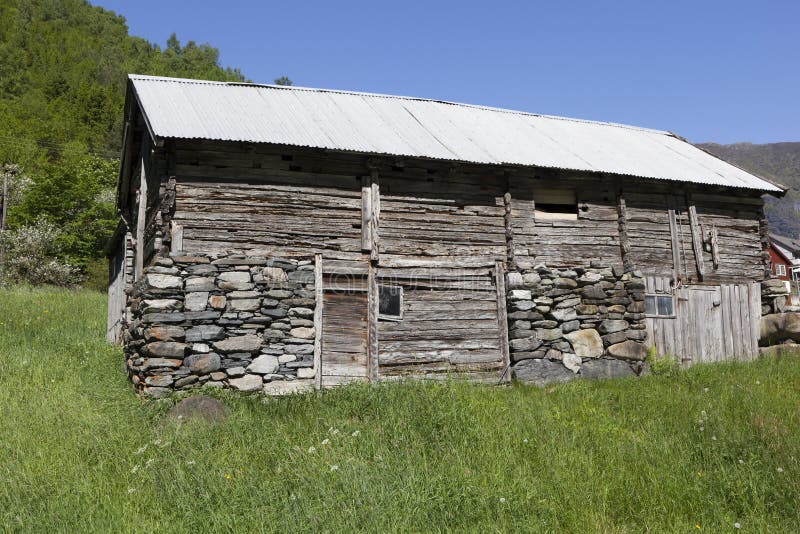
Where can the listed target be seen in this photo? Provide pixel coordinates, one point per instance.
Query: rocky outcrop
(778, 328)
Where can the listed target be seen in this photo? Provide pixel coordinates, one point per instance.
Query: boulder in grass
(199, 407)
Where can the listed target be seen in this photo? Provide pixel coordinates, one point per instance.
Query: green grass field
(705, 450)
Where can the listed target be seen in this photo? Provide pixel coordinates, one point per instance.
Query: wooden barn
(280, 238)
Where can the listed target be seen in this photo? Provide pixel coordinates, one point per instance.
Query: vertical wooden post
(624, 242)
(697, 236)
(375, 201)
(141, 222)
(714, 247)
(676, 248)
(373, 302)
(176, 237)
(508, 222)
(318, 297)
(502, 319)
(366, 213)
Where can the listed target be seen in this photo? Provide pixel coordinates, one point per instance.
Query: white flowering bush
(29, 257)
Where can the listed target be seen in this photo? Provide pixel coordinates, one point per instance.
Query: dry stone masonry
(582, 321)
(243, 322)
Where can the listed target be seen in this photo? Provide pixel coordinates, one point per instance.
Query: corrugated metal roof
(414, 127)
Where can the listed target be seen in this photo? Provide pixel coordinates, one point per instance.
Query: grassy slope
(625, 455)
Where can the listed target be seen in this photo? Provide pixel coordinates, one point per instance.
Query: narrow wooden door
(344, 337)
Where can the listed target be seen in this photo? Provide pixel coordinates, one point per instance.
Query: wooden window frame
(657, 315)
(386, 317)
(780, 269)
(554, 197)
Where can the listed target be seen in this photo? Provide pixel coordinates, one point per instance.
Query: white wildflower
(701, 429)
(334, 468)
(502, 500)
(141, 449)
(148, 462)
(355, 433)
(704, 414)
(189, 462)
(713, 438)
(131, 490)
(705, 389)
(157, 442)
(333, 431)
(758, 382)
(780, 470)
(741, 461)
(525, 440)
(312, 450)
(326, 441)
(135, 468)
(737, 525)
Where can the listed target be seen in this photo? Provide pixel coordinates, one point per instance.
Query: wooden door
(344, 337)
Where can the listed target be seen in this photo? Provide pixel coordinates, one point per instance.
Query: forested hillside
(779, 162)
(62, 78)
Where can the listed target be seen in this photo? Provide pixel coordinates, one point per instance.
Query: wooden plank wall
(712, 322)
(265, 201)
(449, 325)
(737, 225)
(593, 236)
(344, 337)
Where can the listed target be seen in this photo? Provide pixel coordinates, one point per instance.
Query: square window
(390, 303)
(780, 269)
(659, 306)
(665, 305)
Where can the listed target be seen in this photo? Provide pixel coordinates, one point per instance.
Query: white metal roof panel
(402, 126)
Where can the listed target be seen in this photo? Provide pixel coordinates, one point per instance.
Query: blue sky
(723, 71)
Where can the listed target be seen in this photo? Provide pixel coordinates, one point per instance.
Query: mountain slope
(779, 162)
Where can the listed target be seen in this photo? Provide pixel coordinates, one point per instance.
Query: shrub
(661, 365)
(29, 255)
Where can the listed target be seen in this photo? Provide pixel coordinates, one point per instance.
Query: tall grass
(709, 448)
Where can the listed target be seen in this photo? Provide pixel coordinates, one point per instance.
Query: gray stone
(164, 281)
(151, 305)
(519, 294)
(514, 280)
(564, 315)
(302, 333)
(173, 317)
(218, 375)
(245, 304)
(273, 274)
(306, 372)
(779, 327)
(616, 337)
(544, 301)
(202, 364)
(264, 365)
(590, 278)
(541, 372)
(201, 348)
(247, 343)
(301, 312)
(196, 301)
(161, 381)
(201, 315)
(568, 303)
(628, 350)
(586, 343)
(549, 334)
(553, 354)
(522, 305)
(205, 333)
(199, 283)
(300, 349)
(199, 407)
(247, 383)
(235, 371)
(202, 269)
(586, 309)
(544, 324)
(288, 387)
(605, 368)
(525, 344)
(571, 362)
(570, 326)
(185, 381)
(286, 358)
(279, 293)
(155, 363)
(275, 313)
(156, 393)
(613, 325)
(566, 283)
(166, 349)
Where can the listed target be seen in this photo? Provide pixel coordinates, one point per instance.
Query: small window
(659, 306)
(390, 303)
(780, 269)
(555, 205)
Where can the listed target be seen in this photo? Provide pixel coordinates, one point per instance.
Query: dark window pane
(650, 305)
(665, 305)
(389, 300)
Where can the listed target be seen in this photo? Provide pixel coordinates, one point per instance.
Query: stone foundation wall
(583, 321)
(775, 297)
(242, 322)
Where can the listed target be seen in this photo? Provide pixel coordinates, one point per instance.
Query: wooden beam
(141, 222)
(624, 242)
(375, 202)
(373, 302)
(714, 247)
(176, 237)
(697, 237)
(502, 319)
(318, 297)
(676, 248)
(509, 227)
(366, 213)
